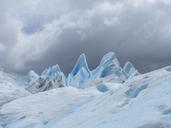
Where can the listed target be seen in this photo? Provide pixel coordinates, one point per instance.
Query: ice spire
(81, 63)
(130, 70)
(52, 71)
(109, 58)
(31, 76)
(80, 72)
(109, 65)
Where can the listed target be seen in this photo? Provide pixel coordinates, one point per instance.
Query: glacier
(81, 76)
(109, 96)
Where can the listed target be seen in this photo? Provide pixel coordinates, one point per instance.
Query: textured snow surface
(143, 101)
(9, 89)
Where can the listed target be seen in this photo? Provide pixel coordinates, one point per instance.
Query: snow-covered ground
(143, 101)
(9, 88)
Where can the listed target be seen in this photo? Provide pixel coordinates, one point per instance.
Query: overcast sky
(35, 34)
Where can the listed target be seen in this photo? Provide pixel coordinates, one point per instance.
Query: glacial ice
(81, 63)
(110, 58)
(109, 65)
(130, 70)
(168, 68)
(135, 90)
(52, 72)
(50, 78)
(81, 76)
(102, 88)
(140, 102)
(80, 72)
(137, 102)
(30, 77)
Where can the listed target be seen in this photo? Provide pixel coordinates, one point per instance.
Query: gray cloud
(37, 34)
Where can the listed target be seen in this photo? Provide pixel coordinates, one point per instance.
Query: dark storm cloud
(37, 34)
